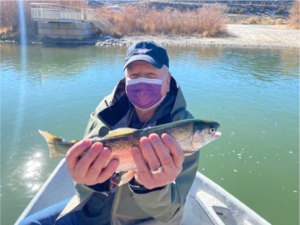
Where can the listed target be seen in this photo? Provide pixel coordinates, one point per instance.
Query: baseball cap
(147, 51)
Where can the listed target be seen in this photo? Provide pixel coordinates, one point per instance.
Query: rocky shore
(245, 36)
(252, 36)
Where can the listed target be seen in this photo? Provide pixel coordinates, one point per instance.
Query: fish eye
(212, 130)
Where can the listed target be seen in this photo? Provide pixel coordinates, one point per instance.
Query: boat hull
(207, 203)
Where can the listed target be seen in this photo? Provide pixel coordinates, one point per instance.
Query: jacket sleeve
(95, 127)
(165, 203)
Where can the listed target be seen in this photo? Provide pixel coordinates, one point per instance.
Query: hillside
(270, 8)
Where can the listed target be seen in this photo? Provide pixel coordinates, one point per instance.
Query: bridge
(45, 13)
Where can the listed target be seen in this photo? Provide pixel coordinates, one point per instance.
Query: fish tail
(52, 141)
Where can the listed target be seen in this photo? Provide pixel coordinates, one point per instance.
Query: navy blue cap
(147, 51)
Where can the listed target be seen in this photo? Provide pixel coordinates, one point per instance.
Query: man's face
(140, 69)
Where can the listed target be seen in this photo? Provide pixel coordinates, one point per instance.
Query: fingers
(108, 171)
(150, 153)
(75, 151)
(163, 154)
(95, 170)
(143, 175)
(168, 151)
(140, 162)
(175, 150)
(98, 163)
(158, 152)
(84, 164)
(91, 168)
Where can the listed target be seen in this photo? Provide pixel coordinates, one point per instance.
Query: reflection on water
(28, 175)
(204, 57)
(253, 93)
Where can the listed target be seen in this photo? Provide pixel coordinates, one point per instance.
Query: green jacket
(129, 206)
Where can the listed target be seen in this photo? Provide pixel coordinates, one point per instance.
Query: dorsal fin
(120, 132)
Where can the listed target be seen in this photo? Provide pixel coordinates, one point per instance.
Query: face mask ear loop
(164, 78)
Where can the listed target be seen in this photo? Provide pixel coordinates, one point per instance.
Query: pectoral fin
(127, 177)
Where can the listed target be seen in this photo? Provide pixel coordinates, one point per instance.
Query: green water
(253, 93)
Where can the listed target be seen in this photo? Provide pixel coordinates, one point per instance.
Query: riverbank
(251, 36)
(246, 36)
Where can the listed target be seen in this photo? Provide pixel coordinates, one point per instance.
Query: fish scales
(121, 146)
(190, 134)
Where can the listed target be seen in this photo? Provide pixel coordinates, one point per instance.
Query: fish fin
(51, 140)
(120, 132)
(189, 153)
(127, 177)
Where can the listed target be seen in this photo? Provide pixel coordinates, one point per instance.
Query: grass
(207, 21)
(263, 21)
(292, 21)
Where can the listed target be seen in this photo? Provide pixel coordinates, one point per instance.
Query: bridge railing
(63, 13)
(46, 11)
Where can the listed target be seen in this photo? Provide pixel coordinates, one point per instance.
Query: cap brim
(145, 58)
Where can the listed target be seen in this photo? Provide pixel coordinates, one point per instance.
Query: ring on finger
(158, 170)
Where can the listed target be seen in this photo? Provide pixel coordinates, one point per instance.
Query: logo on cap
(142, 50)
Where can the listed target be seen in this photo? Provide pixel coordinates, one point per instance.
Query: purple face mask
(144, 93)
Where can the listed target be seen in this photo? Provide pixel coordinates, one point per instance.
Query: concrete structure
(68, 22)
(66, 30)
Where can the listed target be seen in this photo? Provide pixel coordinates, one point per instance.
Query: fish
(191, 135)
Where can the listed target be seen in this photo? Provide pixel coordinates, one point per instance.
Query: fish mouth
(217, 134)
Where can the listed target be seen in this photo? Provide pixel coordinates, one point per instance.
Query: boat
(207, 203)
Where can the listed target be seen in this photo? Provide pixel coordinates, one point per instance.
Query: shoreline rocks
(244, 36)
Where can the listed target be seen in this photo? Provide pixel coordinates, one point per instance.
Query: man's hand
(162, 152)
(89, 169)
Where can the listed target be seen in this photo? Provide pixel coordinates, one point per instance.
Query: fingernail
(106, 151)
(145, 141)
(165, 136)
(142, 138)
(87, 142)
(155, 138)
(97, 144)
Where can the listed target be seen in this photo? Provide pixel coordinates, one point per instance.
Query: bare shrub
(293, 20)
(10, 21)
(267, 21)
(253, 20)
(206, 22)
(279, 21)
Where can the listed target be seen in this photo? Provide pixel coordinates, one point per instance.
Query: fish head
(204, 132)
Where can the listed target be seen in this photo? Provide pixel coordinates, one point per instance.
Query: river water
(253, 93)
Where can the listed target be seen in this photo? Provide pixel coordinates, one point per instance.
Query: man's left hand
(159, 152)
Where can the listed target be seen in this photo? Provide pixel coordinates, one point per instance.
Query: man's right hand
(90, 168)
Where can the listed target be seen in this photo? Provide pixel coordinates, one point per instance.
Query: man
(147, 96)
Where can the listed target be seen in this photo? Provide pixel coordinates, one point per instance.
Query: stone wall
(63, 30)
